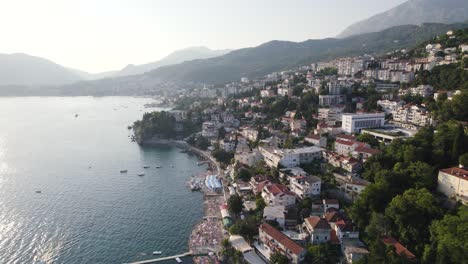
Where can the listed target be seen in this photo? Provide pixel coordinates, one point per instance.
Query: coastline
(207, 234)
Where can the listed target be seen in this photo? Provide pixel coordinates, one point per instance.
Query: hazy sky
(103, 35)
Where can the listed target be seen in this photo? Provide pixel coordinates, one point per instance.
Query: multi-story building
(277, 195)
(412, 114)
(327, 100)
(352, 123)
(389, 106)
(250, 133)
(209, 130)
(305, 186)
(421, 90)
(272, 240)
(227, 145)
(285, 91)
(289, 157)
(316, 140)
(318, 229)
(332, 113)
(453, 182)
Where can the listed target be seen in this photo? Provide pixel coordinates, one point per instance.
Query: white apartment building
(352, 123)
(289, 158)
(250, 133)
(412, 114)
(272, 240)
(389, 106)
(332, 114)
(305, 186)
(453, 182)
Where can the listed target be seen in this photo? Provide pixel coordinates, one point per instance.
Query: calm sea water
(88, 212)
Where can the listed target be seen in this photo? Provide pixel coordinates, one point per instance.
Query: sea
(63, 198)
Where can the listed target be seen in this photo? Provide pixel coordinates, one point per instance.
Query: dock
(186, 254)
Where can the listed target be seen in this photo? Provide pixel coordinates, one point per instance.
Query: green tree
(278, 258)
(449, 239)
(408, 213)
(235, 204)
(463, 159)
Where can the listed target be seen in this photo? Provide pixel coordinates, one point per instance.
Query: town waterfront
(62, 196)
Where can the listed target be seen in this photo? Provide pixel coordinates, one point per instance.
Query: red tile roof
(261, 185)
(318, 223)
(345, 142)
(282, 238)
(457, 172)
(368, 150)
(314, 136)
(399, 248)
(334, 238)
(277, 189)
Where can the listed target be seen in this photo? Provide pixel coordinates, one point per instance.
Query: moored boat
(157, 252)
(123, 171)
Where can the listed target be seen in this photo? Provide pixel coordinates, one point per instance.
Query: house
(277, 194)
(329, 100)
(353, 250)
(349, 164)
(389, 106)
(305, 186)
(250, 133)
(453, 182)
(341, 224)
(331, 113)
(316, 140)
(350, 185)
(330, 203)
(227, 145)
(248, 157)
(209, 130)
(318, 229)
(275, 213)
(272, 240)
(400, 250)
(352, 123)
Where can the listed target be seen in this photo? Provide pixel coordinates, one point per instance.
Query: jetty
(186, 254)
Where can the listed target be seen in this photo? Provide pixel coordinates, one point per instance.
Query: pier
(161, 259)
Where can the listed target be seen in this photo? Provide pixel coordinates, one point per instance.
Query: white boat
(157, 252)
(178, 260)
(141, 174)
(123, 171)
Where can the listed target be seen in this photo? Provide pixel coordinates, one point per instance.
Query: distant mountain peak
(412, 12)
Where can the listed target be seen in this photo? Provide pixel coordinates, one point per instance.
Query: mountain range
(412, 12)
(25, 70)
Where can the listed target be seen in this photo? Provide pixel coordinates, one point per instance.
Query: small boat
(178, 260)
(123, 171)
(146, 167)
(157, 252)
(38, 191)
(158, 167)
(76, 115)
(141, 174)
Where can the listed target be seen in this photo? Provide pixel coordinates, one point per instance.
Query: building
(267, 93)
(284, 91)
(248, 157)
(400, 250)
(353, 250)
(389, 106)
(330, 203)
(346, 163)
(332, 113)
(250, 133)
(328, 100)
(316, 140)
(318, 229)
(276, 194)
(453, 182)
(305, 186)
(227, 145)
(352, 123)
(275, 213)
(412, 114)
(209, 130)
(272, 240)
(289, 157)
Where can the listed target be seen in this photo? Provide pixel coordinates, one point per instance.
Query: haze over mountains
(202, 65)
(412, 12)
(23, 69)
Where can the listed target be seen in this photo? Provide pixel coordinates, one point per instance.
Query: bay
(72, 149)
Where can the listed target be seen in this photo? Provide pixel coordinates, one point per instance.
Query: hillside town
(306, 153)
